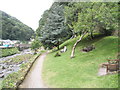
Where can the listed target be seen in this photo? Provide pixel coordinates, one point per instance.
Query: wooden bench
(113, 65)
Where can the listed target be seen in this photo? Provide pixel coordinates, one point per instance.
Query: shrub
(8, 51)
(35, 44)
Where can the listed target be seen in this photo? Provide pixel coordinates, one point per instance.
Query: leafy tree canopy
(52, 28)
(91, 16)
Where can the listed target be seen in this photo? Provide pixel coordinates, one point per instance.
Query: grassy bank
(0, 84)
(81, 71)
(14, 79)
(8, 51)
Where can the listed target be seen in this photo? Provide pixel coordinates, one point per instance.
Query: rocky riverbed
(12, 63)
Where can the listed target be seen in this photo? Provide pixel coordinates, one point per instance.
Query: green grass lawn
(81, 71)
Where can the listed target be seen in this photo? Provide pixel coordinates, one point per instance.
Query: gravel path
(33, 78)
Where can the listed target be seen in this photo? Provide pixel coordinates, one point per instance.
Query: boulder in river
(3, 67)
(11, 69)
(1, 75)
(1, 72)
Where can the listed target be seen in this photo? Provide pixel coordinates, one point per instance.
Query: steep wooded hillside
(14, 29)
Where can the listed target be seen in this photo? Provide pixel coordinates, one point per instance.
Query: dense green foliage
(64, 19)
(92, 17)
(8, 52)
(42, 22)
(52, 29)
(13, 29)
(82, 70)
(36, 44)
(0, 84)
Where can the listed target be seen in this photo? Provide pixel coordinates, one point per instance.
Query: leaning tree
(86, 16)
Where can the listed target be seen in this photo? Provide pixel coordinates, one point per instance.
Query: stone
(20, 62)
(57, 54)
(102, 71)
(5, 70)
(88, 48)
(64, 49)
(11, 69)
(1, 72)
(8, 72)
(1, 75)
(3, 67)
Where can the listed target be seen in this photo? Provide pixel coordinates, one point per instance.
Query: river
(7, 68)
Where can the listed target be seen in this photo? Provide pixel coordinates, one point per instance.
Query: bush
(35, 44)
(8, 51)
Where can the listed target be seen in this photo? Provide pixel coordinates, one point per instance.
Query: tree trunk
(91, 34)
(74, 46)
(58, 47)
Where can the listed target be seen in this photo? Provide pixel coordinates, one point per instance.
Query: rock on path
(34, 76)
(102, 71)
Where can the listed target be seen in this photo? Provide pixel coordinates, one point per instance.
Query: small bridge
(23, 46)
(19, 46)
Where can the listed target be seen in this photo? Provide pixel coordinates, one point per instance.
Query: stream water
(27, 51)
(7, 68)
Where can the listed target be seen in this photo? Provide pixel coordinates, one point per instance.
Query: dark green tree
(13, 29)
(42, 22)
(54, 32)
